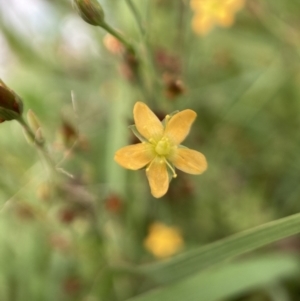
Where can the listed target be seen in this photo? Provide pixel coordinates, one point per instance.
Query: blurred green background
(81, 236)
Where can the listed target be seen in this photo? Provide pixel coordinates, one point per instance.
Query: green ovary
(163, 147)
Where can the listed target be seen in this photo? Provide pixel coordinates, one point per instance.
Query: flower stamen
(151, 140)
(148, 167)
(171, 167)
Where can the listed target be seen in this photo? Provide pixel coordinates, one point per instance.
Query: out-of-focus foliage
(81, 234)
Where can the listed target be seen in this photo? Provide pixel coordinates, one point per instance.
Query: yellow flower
(214, 12)
(160, 149)
(163, 241)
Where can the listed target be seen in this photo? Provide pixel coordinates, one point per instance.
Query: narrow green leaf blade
(228, 281)
(196, 260)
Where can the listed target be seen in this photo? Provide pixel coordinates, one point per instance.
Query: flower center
(163, 147)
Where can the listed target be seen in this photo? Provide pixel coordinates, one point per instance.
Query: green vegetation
(74, 224)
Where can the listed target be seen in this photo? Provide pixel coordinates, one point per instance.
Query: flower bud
(69, 133)
(90, 11)
(11, 106)
(174, 87)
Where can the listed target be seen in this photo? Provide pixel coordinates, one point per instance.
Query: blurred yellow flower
(214, 12)
(160, 149)
(163, 241)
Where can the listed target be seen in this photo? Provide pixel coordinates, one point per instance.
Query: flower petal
(179, 126)
(190, 161)
(202, 24)
(196, 4)
(158, 178)
(147, 122)
(224, 18)
(134, 156)
(235, 5)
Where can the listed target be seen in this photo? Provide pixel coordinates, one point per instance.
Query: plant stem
(137, 17)
(40, 145)
(154, 84)
(130, 48)
(117, 35)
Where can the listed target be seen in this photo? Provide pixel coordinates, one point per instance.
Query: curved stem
(131, 50)
(38, 143)
(117, 35)
(136, 16)
(154, 85)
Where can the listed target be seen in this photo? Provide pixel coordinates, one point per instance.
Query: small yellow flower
(214, 12)
(163, 241)
(160, 149)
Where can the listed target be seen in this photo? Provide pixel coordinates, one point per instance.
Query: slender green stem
(38, 143)
(154, 84)
(131, 50)
(30, 133)
(137, 17)
(88, 200)
(117, 35)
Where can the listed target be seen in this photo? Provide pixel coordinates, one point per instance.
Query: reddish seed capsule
(11, 106)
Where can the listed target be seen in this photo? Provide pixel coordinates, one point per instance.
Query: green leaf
(228, 281)
(198, 259)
